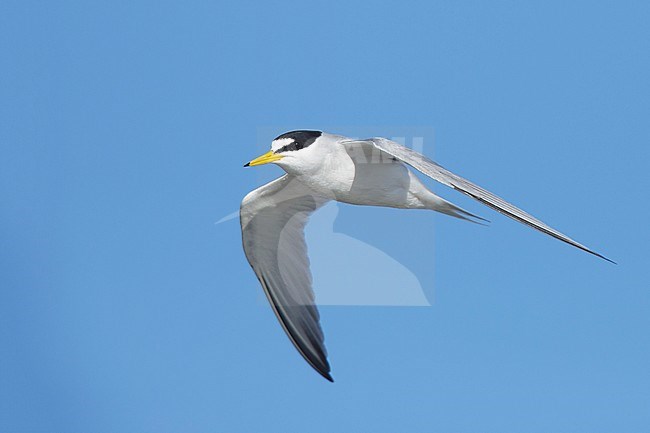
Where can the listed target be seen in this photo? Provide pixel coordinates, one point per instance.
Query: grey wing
(444, 176)
(273, 218)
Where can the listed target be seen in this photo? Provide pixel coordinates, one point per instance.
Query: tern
(321, 167)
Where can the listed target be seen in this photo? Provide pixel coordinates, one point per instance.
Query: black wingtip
(247, 164)
(603, 257)
(600, 256)
(325, 372)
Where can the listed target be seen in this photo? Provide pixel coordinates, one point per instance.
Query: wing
(444, 176)
(273, 218)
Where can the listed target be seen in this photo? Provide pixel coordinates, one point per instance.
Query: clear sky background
(123, 130)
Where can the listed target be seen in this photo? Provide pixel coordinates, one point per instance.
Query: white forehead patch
(281, 142)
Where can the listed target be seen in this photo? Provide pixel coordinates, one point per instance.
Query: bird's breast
(383, 183)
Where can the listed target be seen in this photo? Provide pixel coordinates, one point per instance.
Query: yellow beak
(264, 159)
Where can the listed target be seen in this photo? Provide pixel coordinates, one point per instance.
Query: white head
(293, 151)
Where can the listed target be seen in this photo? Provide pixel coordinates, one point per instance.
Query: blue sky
(124, 127)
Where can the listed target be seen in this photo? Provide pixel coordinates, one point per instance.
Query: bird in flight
(321, 167)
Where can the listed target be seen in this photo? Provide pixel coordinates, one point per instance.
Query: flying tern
(321, 167)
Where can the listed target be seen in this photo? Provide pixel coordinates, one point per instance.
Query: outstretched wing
(444, 176)
(273, 218)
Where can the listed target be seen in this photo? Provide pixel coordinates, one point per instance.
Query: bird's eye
(290, 147)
